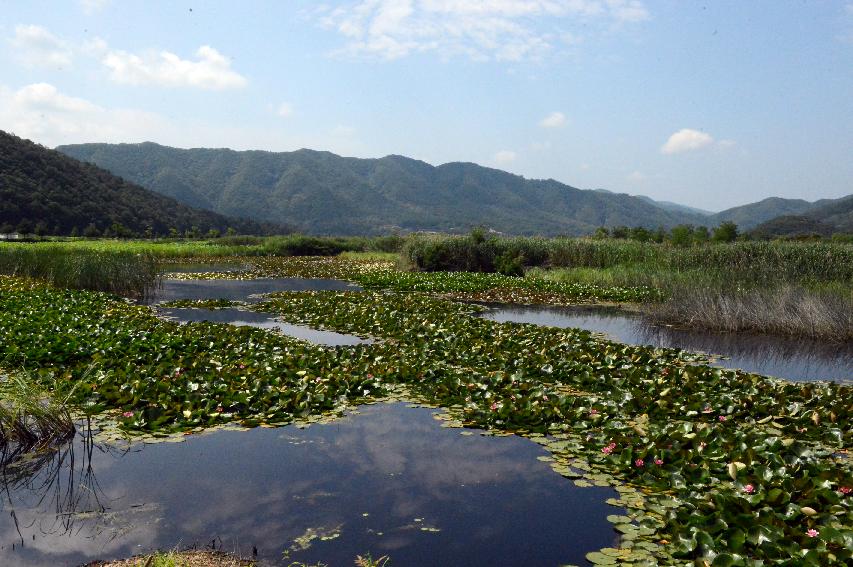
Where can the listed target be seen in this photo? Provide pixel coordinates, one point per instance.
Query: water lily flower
(749, 489)
(845, 490)
(545, 398)
(609, 449)
(639, 463)
(242, 366)
(658, 461)
(127, 414)
(593, 411)
(812, 532)
(187, 413)
(722, 418)
(494, 406)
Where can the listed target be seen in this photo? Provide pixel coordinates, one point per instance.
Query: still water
(793, 359)
(387, 481)
(250, 291)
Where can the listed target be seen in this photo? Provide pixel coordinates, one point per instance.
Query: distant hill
(751, 215)
(675, 207)
(45, 191)
(824, 218)
(323, 193)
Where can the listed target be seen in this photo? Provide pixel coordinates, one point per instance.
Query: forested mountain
(47, 192)
(323, 193)
(753, 214)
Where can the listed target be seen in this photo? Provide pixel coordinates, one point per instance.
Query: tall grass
(743, 262)
(31, 419)
(120, 272)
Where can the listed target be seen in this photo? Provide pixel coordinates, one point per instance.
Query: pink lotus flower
(609, 449)
(127, 414)
(722, 418)
(593, 411)
(749, 489)
(812, 532)
(658, 462)
(639, 463)
(845, 490)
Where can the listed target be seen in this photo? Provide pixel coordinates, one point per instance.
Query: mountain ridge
(322, 193)
(46, 191)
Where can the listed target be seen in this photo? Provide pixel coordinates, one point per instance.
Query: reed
(114, 271)
(785, 310)
(32, 419)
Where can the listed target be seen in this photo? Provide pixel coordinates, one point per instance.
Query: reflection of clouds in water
(264, 487)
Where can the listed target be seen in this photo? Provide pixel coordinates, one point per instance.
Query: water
(242, 290)
(377, 479)
(201, 267)
(261, 320)
(793, 359)
(250, 291)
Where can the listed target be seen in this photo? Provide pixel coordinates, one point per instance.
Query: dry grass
(785, 310)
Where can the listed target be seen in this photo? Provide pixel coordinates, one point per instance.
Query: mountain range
(323, 193)
(45, 191)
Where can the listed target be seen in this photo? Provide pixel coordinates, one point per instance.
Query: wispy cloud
(285, 110)
(504, 157)
(636, 177)
(210, 70)
(92, 6)
(35, 46)
(686, 140)
(553, 120)
(502, 30)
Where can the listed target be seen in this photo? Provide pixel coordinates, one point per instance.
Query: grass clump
(190, 558)
(32, 419)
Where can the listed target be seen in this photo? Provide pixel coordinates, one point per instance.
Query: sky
(710, 104)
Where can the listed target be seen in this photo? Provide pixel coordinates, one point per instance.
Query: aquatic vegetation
(33, 420)
(189, 558)
(646, 420)
(201, 304)
(124, 273)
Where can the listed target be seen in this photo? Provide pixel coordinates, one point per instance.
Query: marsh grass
(785, 310)
(114, 271)
(32, 420)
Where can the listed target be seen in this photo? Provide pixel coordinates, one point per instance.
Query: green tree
(682, 235)
(726, 232)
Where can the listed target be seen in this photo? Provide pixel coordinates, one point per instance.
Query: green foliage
(120, 272)
(322, 193)
(726, 232)
(43, 191)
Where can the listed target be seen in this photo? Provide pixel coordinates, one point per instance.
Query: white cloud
(553, 120)
(35, 46)
(92, 6)
(686, 140)
(636, 177)
(501, 30)
(285, 110)
(211, 70)
(725, 144)
(504, 157)
(42, 113)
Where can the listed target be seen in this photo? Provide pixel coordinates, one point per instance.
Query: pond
(790, 358)
(250, 291)
(387, 480)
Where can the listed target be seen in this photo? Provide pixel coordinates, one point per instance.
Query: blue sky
(710, 104)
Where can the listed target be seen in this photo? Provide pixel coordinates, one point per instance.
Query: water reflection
(390, 479)
(793, 359)
(241, 317)
(242, 290)
(250, 291)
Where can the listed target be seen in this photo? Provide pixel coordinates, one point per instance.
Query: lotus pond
(712, 465)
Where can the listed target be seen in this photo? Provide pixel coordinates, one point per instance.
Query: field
(711, 465)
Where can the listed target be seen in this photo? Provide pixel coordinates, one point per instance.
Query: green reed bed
(712, 465)
(121, 272)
